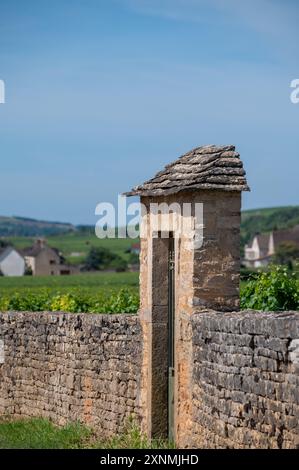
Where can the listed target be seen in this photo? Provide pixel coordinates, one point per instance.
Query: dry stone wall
(245, 380)
(69, 367)
(88, 368)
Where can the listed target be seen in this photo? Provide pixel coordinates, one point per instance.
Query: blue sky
(100, 94)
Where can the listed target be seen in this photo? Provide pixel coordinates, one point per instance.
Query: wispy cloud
(276, 20)
(179, 10)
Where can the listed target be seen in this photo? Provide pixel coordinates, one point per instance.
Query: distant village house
(263, 247)
(44, 260)
(12, 262)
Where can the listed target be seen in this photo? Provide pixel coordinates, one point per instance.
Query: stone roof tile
(207, 167)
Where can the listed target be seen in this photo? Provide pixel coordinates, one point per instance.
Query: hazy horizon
(92, 224)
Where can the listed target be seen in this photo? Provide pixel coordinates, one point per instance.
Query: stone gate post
(195, 201)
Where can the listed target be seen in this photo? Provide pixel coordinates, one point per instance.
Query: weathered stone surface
(245, 380)
(2, 357)
(294, 351)
(69, 367)
(206, 277)
(208, 167)
(237, 384)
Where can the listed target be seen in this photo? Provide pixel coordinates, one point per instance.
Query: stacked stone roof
(207, 167)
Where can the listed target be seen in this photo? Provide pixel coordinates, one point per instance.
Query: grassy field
(93, 282)
(41, 434)
(78, 244)
(90, 293)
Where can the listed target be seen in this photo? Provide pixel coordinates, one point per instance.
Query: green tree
(287, 253)
(3, 243)
(274, 290)
(101, 258)
(119, 264)
(134, 258)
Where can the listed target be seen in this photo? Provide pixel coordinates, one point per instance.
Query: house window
(250, 255)
(65, 272)
(52, 261)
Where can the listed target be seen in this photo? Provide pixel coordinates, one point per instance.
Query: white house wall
(271, 245)
(13, 264)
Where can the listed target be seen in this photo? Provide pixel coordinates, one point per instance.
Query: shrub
(64, 303)
(134, 258)
(102, 258)
(276, 289)
(75, 301)
(247, 273)
(119, 264)
(22, 301)
(123, 302)
(287, 253)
